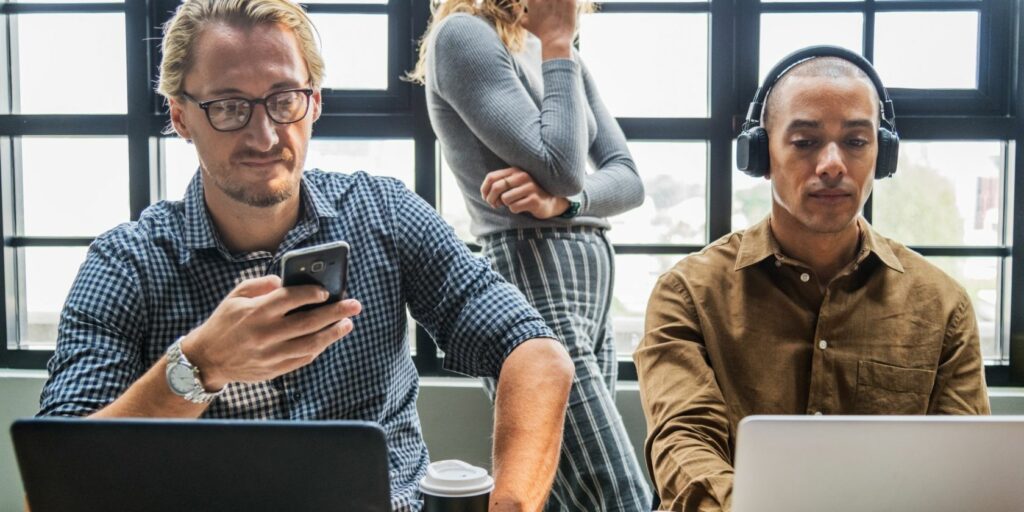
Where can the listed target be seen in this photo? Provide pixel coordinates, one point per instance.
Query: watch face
(180, 379)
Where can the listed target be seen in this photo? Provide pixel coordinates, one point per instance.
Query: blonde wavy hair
(193, 16)
(505, 15)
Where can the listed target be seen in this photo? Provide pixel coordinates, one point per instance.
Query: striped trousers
(566, 274)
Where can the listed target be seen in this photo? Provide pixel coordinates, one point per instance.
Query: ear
(317, 100)
(177, 108)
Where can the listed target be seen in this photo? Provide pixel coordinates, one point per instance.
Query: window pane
(927, 50)
(53, 49)
(751, 197)
(675, 183)
(980, 277)
(65, 1)
(626, 54)
(74, 186)
(49, 272)
(180, 165)
(956, 186)
(392, 157)
(782, 34)
(635, 276)
(355, 49)
(453, 206)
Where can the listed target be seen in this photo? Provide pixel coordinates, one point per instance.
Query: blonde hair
(505, 15)
(193, 16)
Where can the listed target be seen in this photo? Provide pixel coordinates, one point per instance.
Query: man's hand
(516, 189)
(249, 337)
(554, 23)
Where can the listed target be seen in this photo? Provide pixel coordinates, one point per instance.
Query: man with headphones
(810, 311)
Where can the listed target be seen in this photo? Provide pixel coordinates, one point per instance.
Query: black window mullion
(722, 87)
(349, 8)
(426, 169)
(1016, 293)
(15, 290)
(652, 7)
(140, 96)
(868, 46)
(60, 8)
(8, 279)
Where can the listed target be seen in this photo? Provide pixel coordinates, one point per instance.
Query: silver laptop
(879, 463)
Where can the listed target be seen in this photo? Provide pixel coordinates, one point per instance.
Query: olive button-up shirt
(739, 329)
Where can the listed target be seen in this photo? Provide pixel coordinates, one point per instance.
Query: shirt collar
(873, 243)
(200, 232)
(758, 243)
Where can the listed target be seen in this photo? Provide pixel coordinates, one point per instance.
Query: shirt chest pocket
(886, 389)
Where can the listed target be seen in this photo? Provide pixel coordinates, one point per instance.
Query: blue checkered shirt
(145, 283)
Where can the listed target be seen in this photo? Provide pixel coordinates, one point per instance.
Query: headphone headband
(756, 109)
(752, 156)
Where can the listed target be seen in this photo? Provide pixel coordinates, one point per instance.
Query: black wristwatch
(572, 211)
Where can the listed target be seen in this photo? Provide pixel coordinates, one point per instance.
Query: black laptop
(72, 465)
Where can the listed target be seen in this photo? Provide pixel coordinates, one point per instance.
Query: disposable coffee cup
(455, 486)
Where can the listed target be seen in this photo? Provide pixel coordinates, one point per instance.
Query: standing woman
(518, 115)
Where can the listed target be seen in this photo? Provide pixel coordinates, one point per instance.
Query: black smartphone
(325, 265)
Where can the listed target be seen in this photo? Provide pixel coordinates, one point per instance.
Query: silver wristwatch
(183, 377)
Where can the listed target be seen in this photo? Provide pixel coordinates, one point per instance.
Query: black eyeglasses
(230, 114)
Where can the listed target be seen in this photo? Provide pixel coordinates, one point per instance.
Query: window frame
(995, 111)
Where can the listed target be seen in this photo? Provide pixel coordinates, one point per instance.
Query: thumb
(256, 287)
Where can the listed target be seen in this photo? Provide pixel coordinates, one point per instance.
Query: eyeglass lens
(233, 113)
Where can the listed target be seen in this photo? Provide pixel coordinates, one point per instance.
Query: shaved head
(819, 67)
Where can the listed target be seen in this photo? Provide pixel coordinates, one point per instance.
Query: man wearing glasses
(193, 283)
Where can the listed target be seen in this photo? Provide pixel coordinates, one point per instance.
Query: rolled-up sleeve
(98, 353)
(688, 444)
(471, 312)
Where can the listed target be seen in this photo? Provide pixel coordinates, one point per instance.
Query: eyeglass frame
(205, 105)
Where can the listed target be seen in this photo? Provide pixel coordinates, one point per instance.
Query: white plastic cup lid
(455, 479)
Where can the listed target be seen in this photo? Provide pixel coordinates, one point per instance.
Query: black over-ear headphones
(752, 143)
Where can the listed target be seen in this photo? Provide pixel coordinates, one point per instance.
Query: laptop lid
(71, 464)
(879, 463)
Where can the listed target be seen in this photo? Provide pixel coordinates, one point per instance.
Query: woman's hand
(554, 23)
(515, 188)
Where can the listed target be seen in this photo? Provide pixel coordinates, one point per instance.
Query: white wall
(456, 417)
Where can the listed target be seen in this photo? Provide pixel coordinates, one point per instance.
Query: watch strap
(573, 210)
(197, 393)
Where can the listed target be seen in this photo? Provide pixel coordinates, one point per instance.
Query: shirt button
(823, 344)
(805, 277)
(778, 263)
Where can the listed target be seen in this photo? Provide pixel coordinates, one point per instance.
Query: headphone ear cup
(888, 153)
(752, 152)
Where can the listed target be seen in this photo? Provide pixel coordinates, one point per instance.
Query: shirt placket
(822, 365)
(822, 386)
(822, 396)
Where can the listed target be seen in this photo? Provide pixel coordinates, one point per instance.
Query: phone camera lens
(318, 266)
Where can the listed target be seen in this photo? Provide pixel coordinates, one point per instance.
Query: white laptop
(879, 464)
